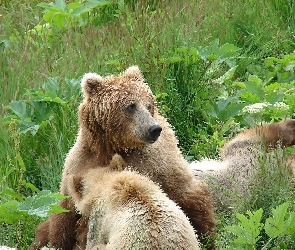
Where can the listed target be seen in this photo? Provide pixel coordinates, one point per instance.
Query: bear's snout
(154, 132)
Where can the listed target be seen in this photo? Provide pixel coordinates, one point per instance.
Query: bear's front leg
(197, 204)
(41, 239)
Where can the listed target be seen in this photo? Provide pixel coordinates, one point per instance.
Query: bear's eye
(131, 108)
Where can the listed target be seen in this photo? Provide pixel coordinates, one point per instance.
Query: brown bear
(129, 211)
(242, 159)
(119, 115)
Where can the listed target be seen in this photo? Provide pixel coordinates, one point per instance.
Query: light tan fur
(129, 211)
(232, 177)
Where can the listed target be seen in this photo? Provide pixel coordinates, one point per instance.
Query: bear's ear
(75, 187)
(133, 72)
(90, 81)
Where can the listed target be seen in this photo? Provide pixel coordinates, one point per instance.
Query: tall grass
(138, 32)
(140, 36)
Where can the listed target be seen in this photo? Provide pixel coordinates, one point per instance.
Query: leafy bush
(279, 228)
(194, 75)
(203, 89)
(265, 97)
(60, 16)
(43, 105)
(20, 214)
(17, 207)
(47, 116)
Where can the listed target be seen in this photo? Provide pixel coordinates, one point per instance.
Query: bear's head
(119, 110)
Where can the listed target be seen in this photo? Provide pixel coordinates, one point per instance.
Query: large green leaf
(12, 194)
(226, 76)
(225, 108)
(90, 5)
(20, 109)
(281, 222)
(227, 50)
(9, 212)
(59, 5)
(248, 230)
(41, 204)
(42, 110)
(29, 126)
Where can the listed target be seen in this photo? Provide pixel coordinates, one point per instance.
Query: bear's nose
(154, 131)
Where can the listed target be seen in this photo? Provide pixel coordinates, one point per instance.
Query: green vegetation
(248, 231)
(214, 66)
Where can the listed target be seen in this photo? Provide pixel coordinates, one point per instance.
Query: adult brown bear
(119, 116)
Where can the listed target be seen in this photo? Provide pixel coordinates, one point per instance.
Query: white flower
(255, 108)
(281, 105)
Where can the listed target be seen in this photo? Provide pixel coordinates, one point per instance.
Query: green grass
(145, 33)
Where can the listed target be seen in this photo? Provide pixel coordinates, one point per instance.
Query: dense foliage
(215, 67)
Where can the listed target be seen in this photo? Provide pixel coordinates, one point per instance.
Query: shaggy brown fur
(119, 115)
(232, 176)
(129, 211)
